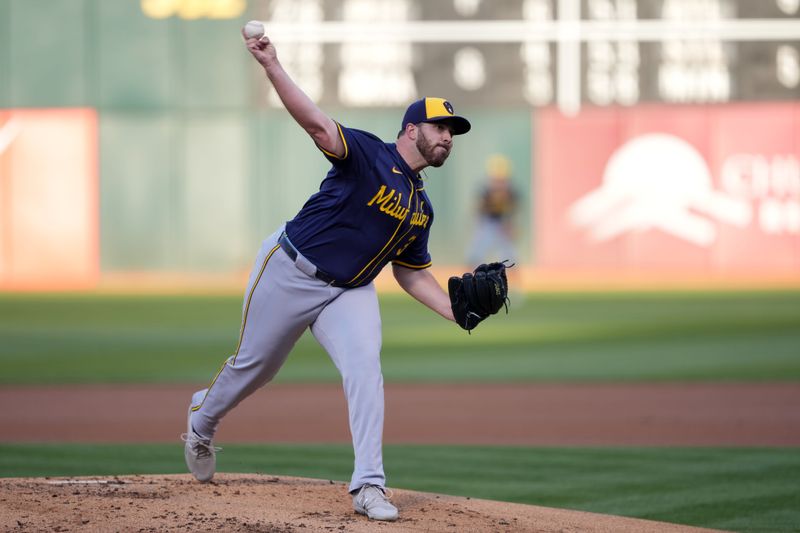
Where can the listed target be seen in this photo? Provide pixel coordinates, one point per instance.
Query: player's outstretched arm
(311, 118)
(424, 288)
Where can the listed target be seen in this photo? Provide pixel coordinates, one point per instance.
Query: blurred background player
(497, 206)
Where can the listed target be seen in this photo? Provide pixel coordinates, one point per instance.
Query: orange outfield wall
(49, 199)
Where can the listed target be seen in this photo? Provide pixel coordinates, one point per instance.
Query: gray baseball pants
(283, 298)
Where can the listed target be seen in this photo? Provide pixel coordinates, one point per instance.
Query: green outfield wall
(196, 166)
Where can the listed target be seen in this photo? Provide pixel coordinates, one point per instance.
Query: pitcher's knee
(363, 372)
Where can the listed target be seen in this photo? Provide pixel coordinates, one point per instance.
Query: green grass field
(634, 337)
(550, 337)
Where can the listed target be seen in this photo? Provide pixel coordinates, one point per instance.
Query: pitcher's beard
(434, 154)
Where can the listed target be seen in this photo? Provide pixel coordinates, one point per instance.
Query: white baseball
(254, 29)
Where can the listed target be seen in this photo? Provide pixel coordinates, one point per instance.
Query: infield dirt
(268, 504)
(530, 414)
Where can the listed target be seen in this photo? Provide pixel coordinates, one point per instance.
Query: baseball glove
(476, 295)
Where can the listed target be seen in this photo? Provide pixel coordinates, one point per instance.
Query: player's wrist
(272, 67)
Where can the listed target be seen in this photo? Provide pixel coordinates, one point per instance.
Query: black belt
(291, 251)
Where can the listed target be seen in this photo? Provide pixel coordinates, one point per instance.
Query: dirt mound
(258, 503)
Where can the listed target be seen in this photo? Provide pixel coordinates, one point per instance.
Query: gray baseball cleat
(200, 454)
(372, 501)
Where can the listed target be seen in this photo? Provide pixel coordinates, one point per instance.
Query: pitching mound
(235, 502)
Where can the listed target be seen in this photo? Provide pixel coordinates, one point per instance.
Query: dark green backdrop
(196, 166)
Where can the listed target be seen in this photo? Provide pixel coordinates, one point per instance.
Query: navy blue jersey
(371, 209)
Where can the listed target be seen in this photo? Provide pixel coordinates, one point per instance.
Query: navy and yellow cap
(435, 110)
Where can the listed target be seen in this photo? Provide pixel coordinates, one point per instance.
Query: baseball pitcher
(316, 271)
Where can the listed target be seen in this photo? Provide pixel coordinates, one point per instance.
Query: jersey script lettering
(390, 203)
(420, 218)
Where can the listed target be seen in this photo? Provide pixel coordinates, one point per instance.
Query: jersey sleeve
(359, 150)
(415, 255)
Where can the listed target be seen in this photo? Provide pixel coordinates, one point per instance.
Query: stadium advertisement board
(712, 189)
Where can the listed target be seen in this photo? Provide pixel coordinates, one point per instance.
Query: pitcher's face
(434, 142)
